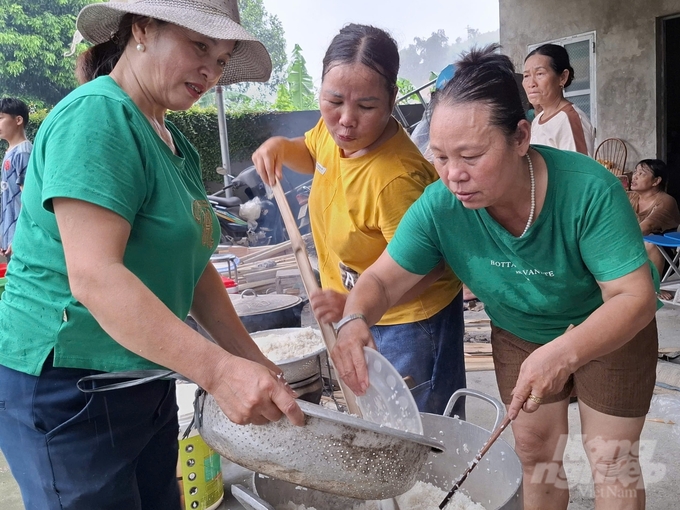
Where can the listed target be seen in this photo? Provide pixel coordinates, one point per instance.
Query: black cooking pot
(268, 311)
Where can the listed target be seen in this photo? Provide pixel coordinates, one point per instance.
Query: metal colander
(334, 452)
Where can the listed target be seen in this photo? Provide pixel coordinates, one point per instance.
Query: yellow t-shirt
(355, 206)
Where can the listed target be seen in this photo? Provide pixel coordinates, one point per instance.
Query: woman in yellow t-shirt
(367, 173)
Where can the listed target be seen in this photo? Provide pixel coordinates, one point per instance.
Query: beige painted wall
(625, 54)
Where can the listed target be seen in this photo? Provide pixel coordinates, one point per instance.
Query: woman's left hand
(327, 305)
(543, 373)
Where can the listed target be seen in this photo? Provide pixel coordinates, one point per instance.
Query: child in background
(13, 122)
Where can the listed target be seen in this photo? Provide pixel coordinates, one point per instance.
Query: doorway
(668, 127)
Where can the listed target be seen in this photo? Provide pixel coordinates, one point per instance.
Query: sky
(313, 23)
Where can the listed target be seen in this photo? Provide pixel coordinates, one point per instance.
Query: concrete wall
(625, 53)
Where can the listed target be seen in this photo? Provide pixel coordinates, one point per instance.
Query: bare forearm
(647, 227)
(133, 316)
(629, 305)
(423, 284)
(296, 156)
(380, 287)
(213, 310)
(368, 297)
(611, 326)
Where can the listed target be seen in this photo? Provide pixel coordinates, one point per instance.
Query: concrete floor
(660, 456)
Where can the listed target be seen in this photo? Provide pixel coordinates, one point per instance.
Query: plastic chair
(612, 154)
(671, 278)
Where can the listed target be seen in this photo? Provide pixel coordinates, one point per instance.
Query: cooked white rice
(423, 496)
(279, 347)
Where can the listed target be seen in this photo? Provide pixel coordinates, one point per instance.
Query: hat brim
(250, 60)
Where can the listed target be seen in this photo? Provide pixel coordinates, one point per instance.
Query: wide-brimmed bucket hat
(218, 19)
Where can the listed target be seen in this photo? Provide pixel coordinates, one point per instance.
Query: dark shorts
(620, 383)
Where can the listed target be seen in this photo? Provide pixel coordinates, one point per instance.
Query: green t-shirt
(536, 286)
(97, 146)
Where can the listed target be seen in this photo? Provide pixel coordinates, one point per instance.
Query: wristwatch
(348, 318)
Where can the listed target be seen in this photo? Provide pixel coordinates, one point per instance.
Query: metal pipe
(224, 139)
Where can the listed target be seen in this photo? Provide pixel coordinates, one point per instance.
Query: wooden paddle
(309, 281)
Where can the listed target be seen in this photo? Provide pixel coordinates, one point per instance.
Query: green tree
(405, 86)
(300, 84)
(268, 29)
(33, 38)
(423, 56)
(432, 54)
(284, 102)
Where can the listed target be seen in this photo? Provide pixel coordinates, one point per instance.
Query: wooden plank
(263, 273)
(477, 348)
(269, 252)
(478, 356)
(477, 329)
(474, 364)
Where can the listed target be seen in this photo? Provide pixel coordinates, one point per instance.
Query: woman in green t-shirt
(547, 239)
(111, 253)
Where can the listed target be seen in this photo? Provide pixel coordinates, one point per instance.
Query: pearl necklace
(533, 196)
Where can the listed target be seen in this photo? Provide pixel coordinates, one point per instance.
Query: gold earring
(141, 48)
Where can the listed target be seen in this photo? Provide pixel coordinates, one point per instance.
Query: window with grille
(581, 92)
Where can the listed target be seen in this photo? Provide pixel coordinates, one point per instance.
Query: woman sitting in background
(656, 210)
(560, 123)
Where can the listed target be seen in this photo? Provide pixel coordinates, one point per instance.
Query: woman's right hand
(268, 159)
(348, 355)
(248, 392)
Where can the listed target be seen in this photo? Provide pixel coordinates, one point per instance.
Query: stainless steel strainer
(334, 452)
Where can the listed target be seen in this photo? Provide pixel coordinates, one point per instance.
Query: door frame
(661, 96)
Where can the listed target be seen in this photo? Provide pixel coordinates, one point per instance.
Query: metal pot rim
(248, 305)
(322, 413)
(284, 362)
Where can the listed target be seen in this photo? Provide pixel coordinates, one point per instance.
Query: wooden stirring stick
(309, 281)
(478, 457)
(496, 433)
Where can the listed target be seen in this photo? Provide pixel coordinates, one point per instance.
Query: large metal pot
(268, 311)
(496, 483)
(334, 452)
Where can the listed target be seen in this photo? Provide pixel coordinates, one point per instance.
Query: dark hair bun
(487, 55)
(484, 76)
